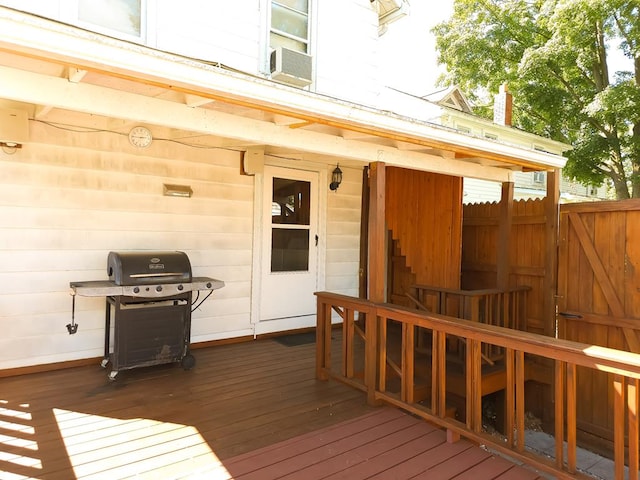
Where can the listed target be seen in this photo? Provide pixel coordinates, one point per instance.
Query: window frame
(71, 12)
(306, 42)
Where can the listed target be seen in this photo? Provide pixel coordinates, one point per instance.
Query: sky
(408, 47)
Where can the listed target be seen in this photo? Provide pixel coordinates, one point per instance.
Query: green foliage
(555, 57)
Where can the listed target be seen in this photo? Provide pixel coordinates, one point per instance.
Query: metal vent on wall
(291, 67)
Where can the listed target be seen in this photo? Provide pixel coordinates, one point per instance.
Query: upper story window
(539, 177)
(290, 25)
(122, 18)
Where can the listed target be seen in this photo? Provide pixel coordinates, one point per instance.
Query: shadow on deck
(250, 410)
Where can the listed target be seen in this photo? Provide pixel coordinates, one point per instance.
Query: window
(290, 220)
(539, 177)
(490, 136)
(290, 25)
(122, 17)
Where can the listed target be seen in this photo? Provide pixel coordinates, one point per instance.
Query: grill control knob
(180, 287)
(159, 288)
(208, 284)
(136, 290)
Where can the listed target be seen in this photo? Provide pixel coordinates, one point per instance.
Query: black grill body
(147, 268)
(148, 330)
(148, 304)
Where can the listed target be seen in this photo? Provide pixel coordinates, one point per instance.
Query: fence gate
(599, 293)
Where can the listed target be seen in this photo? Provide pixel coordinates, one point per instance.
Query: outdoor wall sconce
(177, 190)
(336, 178)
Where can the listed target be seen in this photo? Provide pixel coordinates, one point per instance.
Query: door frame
(259, 250)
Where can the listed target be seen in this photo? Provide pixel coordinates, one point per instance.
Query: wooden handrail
(566, 355)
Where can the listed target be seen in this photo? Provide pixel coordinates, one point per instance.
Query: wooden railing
(504, 308)
(370, 322)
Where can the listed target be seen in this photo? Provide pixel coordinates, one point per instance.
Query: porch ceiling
(72, 77)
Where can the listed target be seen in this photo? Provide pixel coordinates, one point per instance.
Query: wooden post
(377, 233)
(323, 350)
(552, 227)
(376, 271)
(506, 219)
(364, 235)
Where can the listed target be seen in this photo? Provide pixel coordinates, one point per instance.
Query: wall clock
(140, 137)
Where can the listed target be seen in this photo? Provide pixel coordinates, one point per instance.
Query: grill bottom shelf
(147, 332)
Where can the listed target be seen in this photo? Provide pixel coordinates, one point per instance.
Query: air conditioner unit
(291, 67)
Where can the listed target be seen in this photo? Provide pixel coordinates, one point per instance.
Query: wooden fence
(598, 284)
(480, 253)
(599, 295)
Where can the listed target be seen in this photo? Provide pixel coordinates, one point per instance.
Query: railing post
(632, 411)
(371, 355)
(559, 386)
(618, 426)
(510, 397)
(474, 385)
(323, 348)
(520, 379)
(382, 354)
(438, 373)
(348, 333)
(572, 418)
(408, 342)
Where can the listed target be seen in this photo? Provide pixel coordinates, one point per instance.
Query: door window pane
(289, 250)
(293, 197)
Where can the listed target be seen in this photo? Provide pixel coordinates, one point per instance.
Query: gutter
(70, 46)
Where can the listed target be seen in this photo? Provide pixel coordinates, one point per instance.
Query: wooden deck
(246, 411)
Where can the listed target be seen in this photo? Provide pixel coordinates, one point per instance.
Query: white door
(290, 243)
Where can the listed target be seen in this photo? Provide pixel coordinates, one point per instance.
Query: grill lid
(145, 268)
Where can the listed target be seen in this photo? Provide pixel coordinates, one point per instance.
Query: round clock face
(140, 137)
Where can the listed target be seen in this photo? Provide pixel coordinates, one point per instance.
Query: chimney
(503, 106)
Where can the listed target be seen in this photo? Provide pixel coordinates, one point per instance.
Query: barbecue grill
(149, 300)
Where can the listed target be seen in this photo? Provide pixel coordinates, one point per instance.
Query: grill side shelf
(95, 288)
(106, 288)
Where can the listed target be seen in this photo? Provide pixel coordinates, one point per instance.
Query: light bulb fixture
(336, 178)
(177, 190)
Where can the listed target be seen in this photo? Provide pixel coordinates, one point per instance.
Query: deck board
(246, 411)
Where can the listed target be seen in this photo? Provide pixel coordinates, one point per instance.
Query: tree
(555, 56)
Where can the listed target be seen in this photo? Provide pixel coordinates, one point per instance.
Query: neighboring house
(457, 113)
(248, 107)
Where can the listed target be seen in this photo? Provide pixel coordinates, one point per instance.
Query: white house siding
(346, 63)
(224, 32)
(44, 8)
(343, 234)
(480, 191)
(70, 198)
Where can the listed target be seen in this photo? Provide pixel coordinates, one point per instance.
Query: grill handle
(73, 326)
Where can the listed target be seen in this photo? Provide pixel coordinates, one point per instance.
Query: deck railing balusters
(568, 356)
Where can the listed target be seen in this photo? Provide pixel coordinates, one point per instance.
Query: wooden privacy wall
(480, 253)
(599, 294)
(423, 213)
